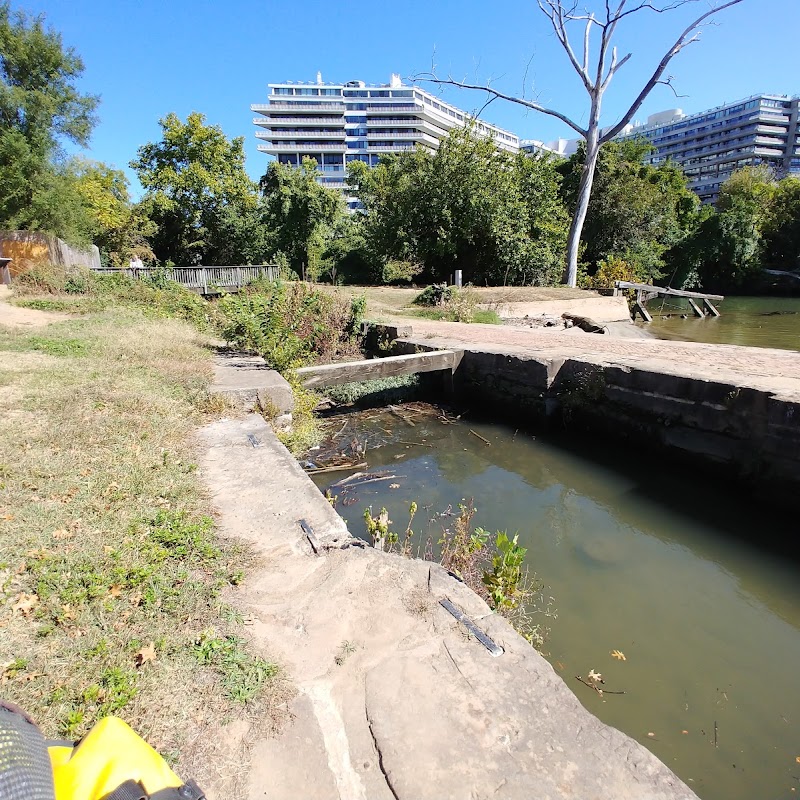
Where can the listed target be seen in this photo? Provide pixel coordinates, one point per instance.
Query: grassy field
(112, 580)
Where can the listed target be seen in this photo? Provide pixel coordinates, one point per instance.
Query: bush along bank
(492, 565)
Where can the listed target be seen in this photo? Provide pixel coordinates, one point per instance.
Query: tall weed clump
(493, 566)
(291, 324)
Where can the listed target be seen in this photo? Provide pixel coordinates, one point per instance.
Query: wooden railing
(206, 280)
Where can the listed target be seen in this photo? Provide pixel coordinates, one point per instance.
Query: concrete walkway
(395, 701)
(765, 369)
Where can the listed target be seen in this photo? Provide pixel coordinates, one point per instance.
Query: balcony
(275, 135)
(383, 148)
(273, 121)
(769, 152)
(769, 141)
(411, 120)
(298, 147)
(771, 130)
(297, 105)
(389, 108)
(404, 135)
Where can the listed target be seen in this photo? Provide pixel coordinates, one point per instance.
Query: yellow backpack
(110, 763)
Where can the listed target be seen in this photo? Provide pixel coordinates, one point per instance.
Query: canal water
(752, 321)
(666, 568)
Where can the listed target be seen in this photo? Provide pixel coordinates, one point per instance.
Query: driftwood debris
(485, 441)
(493, 648)
(337, 468)
(362, 478)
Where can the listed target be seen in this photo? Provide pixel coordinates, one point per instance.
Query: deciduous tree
(302, 212)
(596, 75)
(40, 106)
(495, 216)
(195, 180)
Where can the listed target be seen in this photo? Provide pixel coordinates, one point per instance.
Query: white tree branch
(431, 78)
(586, 37)
(558, 21)
(682, 41)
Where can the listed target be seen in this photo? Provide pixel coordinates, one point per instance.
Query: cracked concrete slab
(394, 701)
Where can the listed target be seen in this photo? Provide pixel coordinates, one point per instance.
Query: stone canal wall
(739, 430)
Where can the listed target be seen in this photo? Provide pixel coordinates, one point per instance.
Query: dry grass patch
(111, 574)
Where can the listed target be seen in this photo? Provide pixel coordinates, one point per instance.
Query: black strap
(130, 790)
(133, 790)
(189, 791)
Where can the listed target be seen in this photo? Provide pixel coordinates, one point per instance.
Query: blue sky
(149, 57)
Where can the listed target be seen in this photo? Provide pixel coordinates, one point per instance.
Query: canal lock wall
(736, 431)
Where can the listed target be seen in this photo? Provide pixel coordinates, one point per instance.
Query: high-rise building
(338, 123)
(712, 145)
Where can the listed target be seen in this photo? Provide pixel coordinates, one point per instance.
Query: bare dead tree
(595, 78)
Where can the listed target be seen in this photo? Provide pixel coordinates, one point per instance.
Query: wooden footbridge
(205, 280)
(645, 292)
(374, 368)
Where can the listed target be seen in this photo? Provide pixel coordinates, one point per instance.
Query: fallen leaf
(63, 533)
(684, 731)
(651, 735)
(559, 665)
(619, 656)
(25, 603)
(798, 759)
(115, 590)
(394, 485)
(7, 517)
(147, 653)
(595, 677)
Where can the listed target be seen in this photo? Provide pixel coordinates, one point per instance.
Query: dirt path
(762, 368)
(16, 317)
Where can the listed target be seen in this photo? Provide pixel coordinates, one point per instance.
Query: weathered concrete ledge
(739, 426)
(248, 382)
(394, 702)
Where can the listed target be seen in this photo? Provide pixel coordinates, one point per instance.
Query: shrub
(437, 294)
(290, 324)
(400, 271)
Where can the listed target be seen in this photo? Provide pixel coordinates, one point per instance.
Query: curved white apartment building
(712, 145)
(339, 123)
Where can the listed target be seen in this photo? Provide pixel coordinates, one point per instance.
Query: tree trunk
(581, 207)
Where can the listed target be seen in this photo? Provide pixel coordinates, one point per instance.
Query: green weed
(242, 674)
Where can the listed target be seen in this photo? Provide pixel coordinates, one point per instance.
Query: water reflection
(656, 563)
(749, 321)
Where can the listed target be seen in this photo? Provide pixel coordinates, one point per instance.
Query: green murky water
(752, 321)
(658, 565)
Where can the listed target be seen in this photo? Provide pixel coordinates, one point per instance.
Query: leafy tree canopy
(39, 107)
(302, 212)
(637, 213)
(467, 206)
(196, 184)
